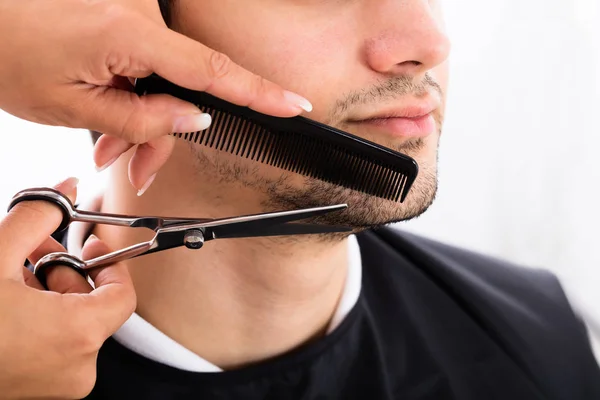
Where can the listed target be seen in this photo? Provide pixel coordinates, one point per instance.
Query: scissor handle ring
(54, 260)
(50, 195)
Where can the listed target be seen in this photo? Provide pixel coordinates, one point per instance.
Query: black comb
(295, 144)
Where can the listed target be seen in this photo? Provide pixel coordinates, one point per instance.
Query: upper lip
(409, 109)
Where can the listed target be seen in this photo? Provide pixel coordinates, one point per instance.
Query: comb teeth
(295, 152)
(295, 144)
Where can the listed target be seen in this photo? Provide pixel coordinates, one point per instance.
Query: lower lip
(404, 127)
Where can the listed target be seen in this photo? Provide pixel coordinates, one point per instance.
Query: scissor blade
(156, 223)
(167, 222)
(285, 230)
(260, 222)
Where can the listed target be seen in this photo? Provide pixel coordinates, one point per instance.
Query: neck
(235, 301)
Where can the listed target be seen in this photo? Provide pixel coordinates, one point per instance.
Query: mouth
(414, 120)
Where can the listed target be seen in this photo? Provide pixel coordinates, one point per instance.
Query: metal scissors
(170, 232)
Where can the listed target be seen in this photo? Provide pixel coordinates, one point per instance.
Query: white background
(519, 167)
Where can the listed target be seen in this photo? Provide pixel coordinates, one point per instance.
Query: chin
(364, 211)
(282, 190)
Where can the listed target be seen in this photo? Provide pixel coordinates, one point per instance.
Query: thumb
(26, 226)
(138, 119)
(113, 300)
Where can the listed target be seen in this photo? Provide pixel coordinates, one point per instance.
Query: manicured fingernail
(106, 164)
(67, 186)
(298, 101)
(192, 123)
(146, 185)
(90, 239)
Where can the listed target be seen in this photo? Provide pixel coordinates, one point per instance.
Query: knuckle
(258, 87)
(122, 62)
(86, 341)
(135, 130)
(133, 127)
(115, 23)
(219, 65)
(119, 63)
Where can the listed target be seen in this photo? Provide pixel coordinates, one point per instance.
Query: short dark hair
(165, 10)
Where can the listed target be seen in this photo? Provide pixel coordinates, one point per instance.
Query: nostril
(411, 67)
(411, 63)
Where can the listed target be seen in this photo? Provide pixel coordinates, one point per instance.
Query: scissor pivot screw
(194, 239)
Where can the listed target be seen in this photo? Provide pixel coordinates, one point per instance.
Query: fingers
(137, 119)
(113, 301)
(28, 225)
(201, 68)
(155, 48)
(177, 58)
(145, 163)
(50, 245)
(108, 149)
(60, 279)
(147, 160)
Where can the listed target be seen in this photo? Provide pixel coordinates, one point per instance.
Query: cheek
(315, 68)
(311, 59)
(319, 66)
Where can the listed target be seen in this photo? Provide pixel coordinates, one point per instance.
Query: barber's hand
(66, 62)
(49, 340)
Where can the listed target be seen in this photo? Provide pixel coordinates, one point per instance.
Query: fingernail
(146, 185)
(192, 123)
(298, 101)
(90, 239)
(106, 164)
(67, 186)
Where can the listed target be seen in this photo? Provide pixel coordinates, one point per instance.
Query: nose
(407, 37)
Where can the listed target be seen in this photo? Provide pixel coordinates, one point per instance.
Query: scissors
(169, 232)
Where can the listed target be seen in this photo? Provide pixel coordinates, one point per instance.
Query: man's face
(360, 62)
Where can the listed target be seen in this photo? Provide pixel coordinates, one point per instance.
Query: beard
(282, 190)
(364, 211)
(289, 191)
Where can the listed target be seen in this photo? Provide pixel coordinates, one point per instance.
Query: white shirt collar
(140, 336)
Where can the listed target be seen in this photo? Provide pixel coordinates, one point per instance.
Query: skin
(90, 54)
(74, 70)
(49, 340)
(237, 302)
